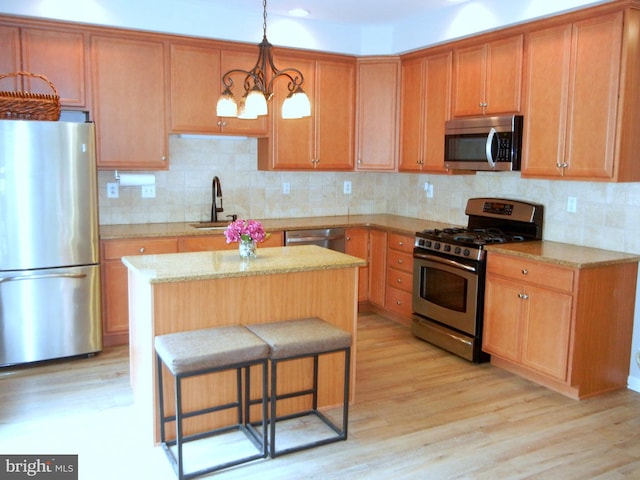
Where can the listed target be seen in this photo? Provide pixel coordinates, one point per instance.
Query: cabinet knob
(523, 296)
(141, 250)
(401, 243)
(398, 302)
(399, 280)
(164, 158)
(400, 261)
(525, 271)
(347, 238)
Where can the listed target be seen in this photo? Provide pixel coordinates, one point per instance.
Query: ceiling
(354, 12)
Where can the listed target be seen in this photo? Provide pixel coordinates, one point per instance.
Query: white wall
(199, 18)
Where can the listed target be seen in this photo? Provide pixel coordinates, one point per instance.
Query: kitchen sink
(210, 225)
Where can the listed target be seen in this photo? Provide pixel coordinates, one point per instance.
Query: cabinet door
(60, 56)
(195, 88)
(291, 146)
(129, 103)
(593, 97)
(503, 76)
(488, 78)
(334, 115)
(357, 244)
(244, 60)
(546, 331)
(437, 108)
(412, 115)
(377, 266)
(469, 73)
(503, 310)
(9, 57)
(546, 97)
(377, 115)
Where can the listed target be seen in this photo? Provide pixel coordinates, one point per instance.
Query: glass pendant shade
(243, 112)
(256, 103)
(296, 105)
(227, 106)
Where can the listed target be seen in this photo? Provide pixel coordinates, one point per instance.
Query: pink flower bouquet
(245, 230)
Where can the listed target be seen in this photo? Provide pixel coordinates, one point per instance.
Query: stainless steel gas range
(449, 271)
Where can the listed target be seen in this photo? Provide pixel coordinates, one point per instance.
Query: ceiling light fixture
(258, 86)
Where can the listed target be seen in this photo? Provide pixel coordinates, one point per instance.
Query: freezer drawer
(49, 313)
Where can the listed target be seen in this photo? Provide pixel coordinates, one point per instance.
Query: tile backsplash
(606, 214)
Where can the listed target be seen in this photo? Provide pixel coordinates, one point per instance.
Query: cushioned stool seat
(294, 339)
(201, 352)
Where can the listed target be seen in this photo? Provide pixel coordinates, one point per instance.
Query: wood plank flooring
(420, 413)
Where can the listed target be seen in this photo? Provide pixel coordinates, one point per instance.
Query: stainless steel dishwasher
(331, 238)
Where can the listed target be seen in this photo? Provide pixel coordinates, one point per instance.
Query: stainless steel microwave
(483, 143)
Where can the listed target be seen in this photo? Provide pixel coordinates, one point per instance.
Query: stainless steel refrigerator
(49, 260)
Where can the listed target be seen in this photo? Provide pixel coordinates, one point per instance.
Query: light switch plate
(113, 190)
(347, 187)
(148, 191)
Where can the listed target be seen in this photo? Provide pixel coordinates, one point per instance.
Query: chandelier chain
(264, 18)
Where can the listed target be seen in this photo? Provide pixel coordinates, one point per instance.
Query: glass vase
(247, 249)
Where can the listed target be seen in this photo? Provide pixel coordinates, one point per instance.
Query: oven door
(446, 291)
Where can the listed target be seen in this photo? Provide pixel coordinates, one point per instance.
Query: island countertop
(180, 267)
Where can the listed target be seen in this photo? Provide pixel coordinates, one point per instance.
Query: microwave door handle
(488, 145)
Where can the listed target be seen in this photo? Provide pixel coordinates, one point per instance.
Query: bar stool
(301, 338)
(201, 352)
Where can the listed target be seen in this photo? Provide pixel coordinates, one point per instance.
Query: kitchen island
(187, 291)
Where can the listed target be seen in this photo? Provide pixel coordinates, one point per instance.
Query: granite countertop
(392, 223)
(181, 267)
(574, 256)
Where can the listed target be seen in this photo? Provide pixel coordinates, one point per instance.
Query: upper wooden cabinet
(425, 106)
(56, 54)
(487, 78)
(581, 94)
(196, 84)
(129, 102)
(325, 140)
(378, 87)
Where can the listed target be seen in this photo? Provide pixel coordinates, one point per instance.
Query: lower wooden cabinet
(115, 294)
(357, 244)
(377, 266)
(563, 327)
(399, 278)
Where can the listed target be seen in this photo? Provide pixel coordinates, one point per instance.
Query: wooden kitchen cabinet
(357, 244)
(115, 303)
(399, 276)
(378, 86)
(201, 243)
(425, 105)
(196, 84)
(59, 55)
(581, 120)
(129, 102)
(563, 327)
(487, 78)
(325, 140)
(377, 266)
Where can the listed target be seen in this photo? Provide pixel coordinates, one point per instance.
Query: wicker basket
(27, 105)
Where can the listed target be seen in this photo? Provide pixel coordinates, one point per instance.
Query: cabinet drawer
(115, 249)
(401, 243)
(529, 271)
(399, 279)
(400, 260)
(398, 301)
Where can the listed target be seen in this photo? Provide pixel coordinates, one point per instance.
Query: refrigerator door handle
(15, 278)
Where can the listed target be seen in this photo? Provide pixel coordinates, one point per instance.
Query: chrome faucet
(216, 192)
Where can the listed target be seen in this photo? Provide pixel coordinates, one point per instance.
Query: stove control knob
(466, 252)
(457, 250)
(437, 246)
(447, 248)
(427, 243)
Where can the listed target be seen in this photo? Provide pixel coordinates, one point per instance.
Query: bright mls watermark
(49, 467)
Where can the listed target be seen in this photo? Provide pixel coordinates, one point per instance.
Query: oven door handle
(445, 261)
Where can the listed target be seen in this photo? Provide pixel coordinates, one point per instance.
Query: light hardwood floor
(420, 413)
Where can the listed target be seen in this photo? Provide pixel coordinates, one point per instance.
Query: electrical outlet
(428, 188)
(572, 204)
(347, 187)
(286, 188)
(148, 191)
(113, 190)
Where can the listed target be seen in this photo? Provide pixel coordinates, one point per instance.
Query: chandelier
(258, 86)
